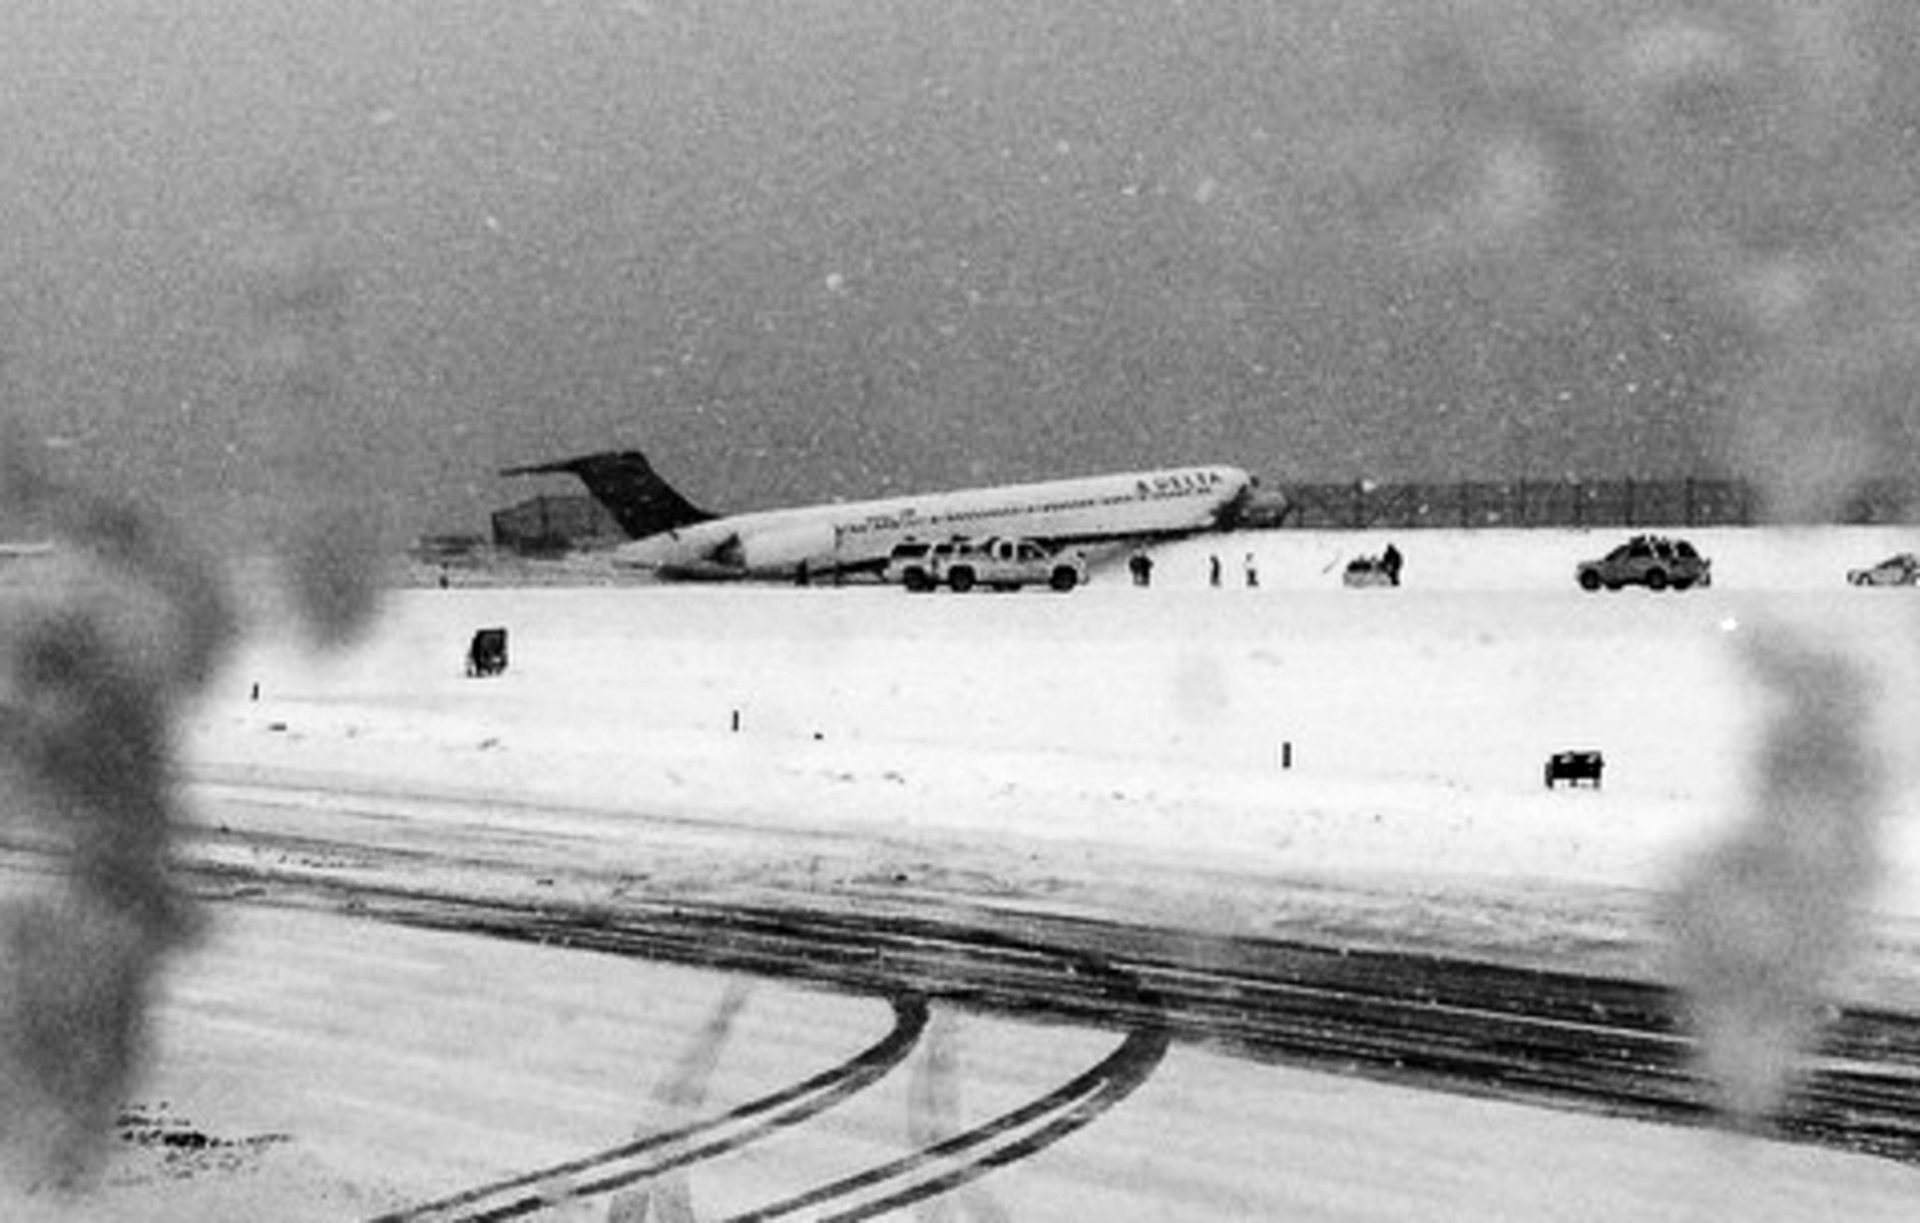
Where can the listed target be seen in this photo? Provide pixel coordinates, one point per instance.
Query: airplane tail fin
(623, 481)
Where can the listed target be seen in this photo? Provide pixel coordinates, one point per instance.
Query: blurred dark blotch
(95, 659)
(1765, 922)
(121, 622)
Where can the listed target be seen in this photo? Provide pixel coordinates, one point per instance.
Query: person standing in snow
(1142, 566)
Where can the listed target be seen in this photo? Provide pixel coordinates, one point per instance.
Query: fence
(1563, 503)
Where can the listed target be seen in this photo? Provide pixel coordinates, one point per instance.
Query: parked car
(915, 563)
(1653, 561)
(1899, 570)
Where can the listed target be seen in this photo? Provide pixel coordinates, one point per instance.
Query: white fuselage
(860, 534)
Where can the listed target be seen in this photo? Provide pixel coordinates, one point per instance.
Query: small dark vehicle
(1574, 768)
(487, 654)
(1653, 561)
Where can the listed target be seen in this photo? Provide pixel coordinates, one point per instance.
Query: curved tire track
(1009, 1138)
(642, 1159)
(777, 944)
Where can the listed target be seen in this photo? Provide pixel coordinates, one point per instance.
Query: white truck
(998, 562)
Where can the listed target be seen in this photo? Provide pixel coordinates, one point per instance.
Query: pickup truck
(997, 562)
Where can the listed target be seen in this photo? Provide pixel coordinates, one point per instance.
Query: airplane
(679, 541)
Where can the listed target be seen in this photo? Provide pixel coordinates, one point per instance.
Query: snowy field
(1294, 759)
(1296, 728)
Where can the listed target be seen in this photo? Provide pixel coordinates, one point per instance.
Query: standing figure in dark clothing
(1390, 561)
(1141, 566)
(1213, 570)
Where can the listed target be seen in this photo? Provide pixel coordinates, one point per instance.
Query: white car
(1900, 570)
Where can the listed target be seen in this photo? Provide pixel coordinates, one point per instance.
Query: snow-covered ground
(1296, 728)
(1294, 758)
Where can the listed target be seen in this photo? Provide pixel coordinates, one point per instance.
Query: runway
(1567, 1041)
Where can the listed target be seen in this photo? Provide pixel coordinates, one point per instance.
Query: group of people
(1140, 565)
(1247, 566)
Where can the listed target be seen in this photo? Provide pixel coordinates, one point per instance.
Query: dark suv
(1653, 561)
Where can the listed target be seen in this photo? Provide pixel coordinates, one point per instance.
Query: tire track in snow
(965, 1157)
(852, 952)
(657, 1154)
(1564, 1039)
(790, 944)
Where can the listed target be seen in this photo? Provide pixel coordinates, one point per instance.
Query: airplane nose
(1234, 510)
(1252, 508)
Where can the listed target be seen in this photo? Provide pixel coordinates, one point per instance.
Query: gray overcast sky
(256, 252)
